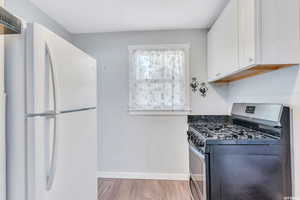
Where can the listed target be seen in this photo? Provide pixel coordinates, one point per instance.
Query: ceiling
(88, 16)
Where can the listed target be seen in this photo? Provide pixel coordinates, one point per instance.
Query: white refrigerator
(2, 122)
(59, 121)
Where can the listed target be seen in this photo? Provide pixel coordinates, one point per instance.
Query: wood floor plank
(131, 189)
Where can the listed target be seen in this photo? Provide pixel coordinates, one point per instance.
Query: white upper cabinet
(212, 51)
(252, 37)
(223, 42)
(246, 32)
(279, 27)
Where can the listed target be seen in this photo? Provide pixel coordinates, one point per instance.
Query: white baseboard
(134, 175)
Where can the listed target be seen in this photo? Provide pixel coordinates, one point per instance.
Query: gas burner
(219, 131)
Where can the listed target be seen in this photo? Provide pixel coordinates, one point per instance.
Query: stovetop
(223, 131)
(206, 131)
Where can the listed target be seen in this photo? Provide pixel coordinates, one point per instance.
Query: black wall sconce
(196, 85)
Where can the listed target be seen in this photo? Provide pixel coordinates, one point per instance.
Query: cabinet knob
(251, 59)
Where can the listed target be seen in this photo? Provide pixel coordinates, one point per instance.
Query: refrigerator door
(75, 166)
(61, 126)
(2, 147)
(74, 71)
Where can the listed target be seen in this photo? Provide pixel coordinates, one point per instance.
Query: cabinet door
(223, 43)
(212, 54)
(247, 32)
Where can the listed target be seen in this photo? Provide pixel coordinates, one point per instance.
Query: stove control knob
(200, 143)
(189, 135)
(192, 137)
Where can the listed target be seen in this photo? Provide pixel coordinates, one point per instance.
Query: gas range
(242, 152)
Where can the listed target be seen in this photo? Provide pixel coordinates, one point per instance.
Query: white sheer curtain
(158, 79)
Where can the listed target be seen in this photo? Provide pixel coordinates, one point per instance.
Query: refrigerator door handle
(50, 173)
(53, 77)
(49, 114)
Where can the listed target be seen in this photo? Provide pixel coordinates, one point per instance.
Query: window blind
(158, 79)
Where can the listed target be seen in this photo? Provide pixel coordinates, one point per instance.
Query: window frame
(186, 48)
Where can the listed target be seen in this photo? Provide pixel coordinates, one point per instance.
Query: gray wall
(15, 81)
(282, 86)
(30, 13)
(144, 144)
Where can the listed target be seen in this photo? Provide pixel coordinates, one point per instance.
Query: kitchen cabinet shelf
(252, 71)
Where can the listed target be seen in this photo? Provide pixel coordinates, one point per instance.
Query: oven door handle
(190, 190)
(196, 151)
(201, 156)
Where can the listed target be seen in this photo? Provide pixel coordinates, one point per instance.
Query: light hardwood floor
(129, 189)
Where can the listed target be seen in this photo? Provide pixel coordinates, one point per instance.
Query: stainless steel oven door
(197, 163)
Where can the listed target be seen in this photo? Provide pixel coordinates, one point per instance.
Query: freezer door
(75, 160)
(74, 72)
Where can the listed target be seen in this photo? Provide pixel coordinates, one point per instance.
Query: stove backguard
(264, 114)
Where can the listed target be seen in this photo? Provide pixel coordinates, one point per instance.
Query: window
(158, 78)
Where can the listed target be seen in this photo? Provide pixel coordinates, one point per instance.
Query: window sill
(159, 113)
